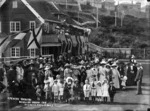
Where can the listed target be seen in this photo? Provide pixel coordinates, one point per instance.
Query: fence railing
(124, 53)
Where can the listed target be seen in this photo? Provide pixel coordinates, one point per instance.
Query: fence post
(144, 53)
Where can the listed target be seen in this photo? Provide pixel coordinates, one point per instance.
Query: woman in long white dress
(115, 76)
(102, 72)
(99, 91)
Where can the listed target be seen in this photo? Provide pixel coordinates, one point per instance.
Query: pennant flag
(19, 37)
(4, 43)
(35, 38)
(83, 44)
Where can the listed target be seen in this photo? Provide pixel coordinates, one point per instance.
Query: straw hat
(82, 62)
(114, 65)
(57, 76)
(69, 78)
(98, 82)
(103, 62)
(67, 65)
(47, 67)
(111, 82)
(108, 64)
(41, 58)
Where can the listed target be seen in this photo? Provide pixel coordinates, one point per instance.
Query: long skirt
(93, 92)
(86, 93)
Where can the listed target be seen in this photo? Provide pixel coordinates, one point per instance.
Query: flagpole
(115, 19)
(78, 16)
(122, 16)
(66, 4)
(97, 18)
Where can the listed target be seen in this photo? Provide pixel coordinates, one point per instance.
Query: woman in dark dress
(131, 71)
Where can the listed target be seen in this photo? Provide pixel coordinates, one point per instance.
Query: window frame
(15, 26)
(30, 26)
(14, 54)
(15, 4)
(34, 51)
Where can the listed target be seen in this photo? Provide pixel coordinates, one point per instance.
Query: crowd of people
(80, 78)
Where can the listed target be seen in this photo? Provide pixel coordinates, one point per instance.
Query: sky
(144, 2)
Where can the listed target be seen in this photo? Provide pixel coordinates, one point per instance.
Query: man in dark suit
(138, 78)
(12, 80)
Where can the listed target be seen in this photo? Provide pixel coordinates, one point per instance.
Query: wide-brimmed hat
(69, 78)
(82, 62)
(41, 58)
(88, 66)
(108, 64)
(67, 65)
(98, 82)
(111, 82)
(114, 65)
(103, 63)
(58, 76)
(132, 57)
(47, 67)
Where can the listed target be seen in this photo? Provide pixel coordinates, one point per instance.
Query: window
(15, 52)
(32, 25)
(15, 26)
(0, 27)
(15, 4)
(32, 52)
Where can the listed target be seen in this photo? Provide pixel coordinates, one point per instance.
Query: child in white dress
(99, 91)
(105, 92)
(61, 90)
(86, 90)
(55, 90)
(93, 89)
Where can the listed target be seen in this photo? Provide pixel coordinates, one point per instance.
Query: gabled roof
(44, 9)
(2, 2)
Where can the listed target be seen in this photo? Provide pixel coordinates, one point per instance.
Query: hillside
(133, 33)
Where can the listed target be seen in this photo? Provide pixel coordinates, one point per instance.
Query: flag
(3, 44)
(16, 39)
(35, 39)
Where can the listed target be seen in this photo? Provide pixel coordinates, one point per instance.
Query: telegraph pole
(66, 4)
(97, 18)
(115, 18)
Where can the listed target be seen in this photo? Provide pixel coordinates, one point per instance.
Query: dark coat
(139, 75)
(11, 76)
(131, 74)
(112, 91)
(1, 74)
